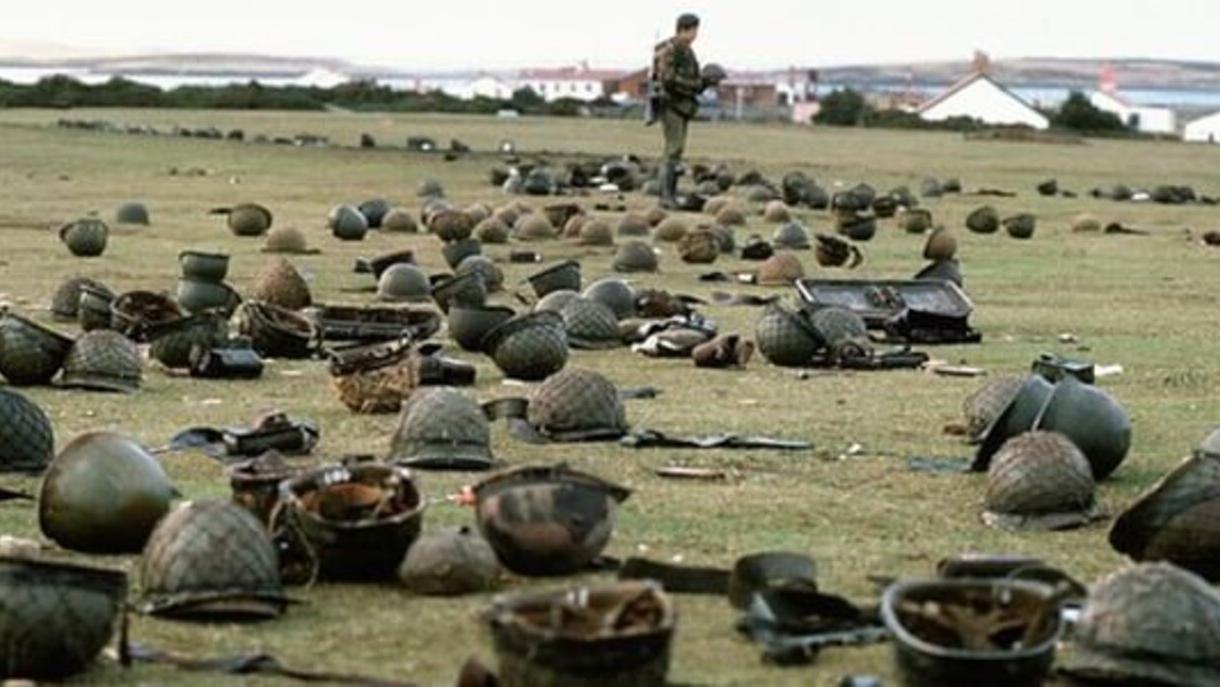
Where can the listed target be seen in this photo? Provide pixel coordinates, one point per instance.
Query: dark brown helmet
(134, 313)
(449, 563)
(27, 441)
(451, 225)
(941, 245)
(577, 404)
(698, 247)
(1039, 480)
(209, 560)
(441, 428)
(545, 521)
(1151, 624)
(277, 333)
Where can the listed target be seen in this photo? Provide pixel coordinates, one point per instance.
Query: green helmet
(451, 225)
(400, 219)
(577, 404)
(1021, 226)
(984, 220)
(85, 238)
(346, 223)
(1174, 520)
(1151, 623)
(982, 407)
(27, 441)
(590, 324)
(132, 213)
(786, 338)
(441, 428)
(204, 266)
(839, 327)
(195, 295)
(248, 219)
(579, 638)
(29, 352)
(450, 563)
(1092, 419)
(94, 309)
(468, 290)
(1015, 418)
(469, 324)
(1039, 480)
(635, 256)
(281, 284)
(103, 360)
(172, 342)
(403, 282)
(560, 276)
(457, 251)
(57, 615)
(210, 560)
(530, 347)
(549, 520)
(65, 304)
(493, 276)
(616, 294)
(103, 493)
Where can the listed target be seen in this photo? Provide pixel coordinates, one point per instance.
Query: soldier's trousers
(673, 126)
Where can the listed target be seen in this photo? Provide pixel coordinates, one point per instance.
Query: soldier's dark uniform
(676, 72)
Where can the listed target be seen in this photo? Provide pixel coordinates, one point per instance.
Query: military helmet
(578, 637)
(777, 212)
(833, 251)
(837, 326)
(633, 224)
(577, 404)
(715, 204)
(1151, 623)
(731, 216)
(449, 563)
(931, 188)
(103, 360)
(457, 251)
(1175, 520)
(451, 225)
(430, 188)
(534, 227)
(276, 332)
(781, 269)
(1086, 223)
(671, 229)
(655, 215)
(615, 294)
(27, 442)
(1049, 187)
(478, 212)
(208, 560)
(463, 290)
(65, 304)
(531, 346)
(699, 247)
(469, 324)
(984, 220)
(58, 615)
(193, 296)
(590, 324)
(249, 219)
(103, 493)
(1021, 226)
(493, 276)
(281, 284)
(399, 219)
(403, 282)
(1039, 480)
(596, 232)
(984, 405)
(1017, 417)
(134, 312)
(563, 275)
(441, 428)
(131, 213)
(555, 300)
(285, 240)
(941, 245)
(374, 211)
(915, 220)
(942, 270)
(546, 520)
(762, 193)
(1092, 419)
(492, 230)
(713, 73)
(786, 338)
(635, 256)
(346, 223)
(856, 227)
(571, 228)
(94, 309)
(29, 352)
(791, 235)
(172, 342)
(85, 238)
(538, 182)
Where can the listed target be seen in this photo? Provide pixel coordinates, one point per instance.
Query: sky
(742, 34)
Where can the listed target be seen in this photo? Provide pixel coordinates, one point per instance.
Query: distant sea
(1050, 96)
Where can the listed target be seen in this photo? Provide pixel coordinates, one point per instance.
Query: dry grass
(1146, 303)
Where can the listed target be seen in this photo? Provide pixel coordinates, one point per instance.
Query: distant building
(577, 83)
(1204, 130)
(321, 78)
(1150, 120)
(980, 97)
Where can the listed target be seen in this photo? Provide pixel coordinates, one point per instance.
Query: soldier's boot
(669, 185)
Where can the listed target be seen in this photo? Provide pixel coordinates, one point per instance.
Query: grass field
(1146, 303)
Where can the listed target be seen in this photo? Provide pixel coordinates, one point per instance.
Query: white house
(321, 78)
(578, 83)
(1150, 120)
(1205, 130)
(979, 97)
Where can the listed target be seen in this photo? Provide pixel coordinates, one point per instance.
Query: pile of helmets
(795, 338)
(202, 284)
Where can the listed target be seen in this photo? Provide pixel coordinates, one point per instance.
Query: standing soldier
(676, 82)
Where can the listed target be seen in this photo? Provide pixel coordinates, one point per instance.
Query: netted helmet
(1039, 480)
(700, 247)
(103, 360)
(590, 324)
(1021, 226)
(531, 346)
(982, 407)
(210, 560)
(984, 220)
(27, 441)
(786, 338)
(29, 352)
(85, 238)
(172, 342)
(534, 227)
(65, 304)
(615, 294)
(492, 230)
(469, 324)
(403, 282)
(558, 277)
(281, 284)
(577, 404)
(635, 256)
(441, 428)
(555, 300)
(449, 563)
(838, 326)
(493, 276)
(249, 219)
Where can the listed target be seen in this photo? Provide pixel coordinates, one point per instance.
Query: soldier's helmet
(590, 324)
(714, 73)
(451, 225)
(346, 222)
(281, 284)
(493, 276)
(982, 407)
(65, 304)
(85, 237)
(27, 441)
(449, 563)
(984, 220)
(614, 293)
(531, 346)
(441, 428)
(249, 219)
(671, 229)
(403, 282)
(785, 338)
(103, 360)
(782, 268)
(596, 232)
(1151, 623)
(492, 230)
(210, 560)
(791, 235)
(577, 403)
(131, 213)
(399, 219)
(699, 247)
(1039, 480)
(29, 352)
(285, 240)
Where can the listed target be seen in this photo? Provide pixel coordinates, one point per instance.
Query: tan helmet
(781, 269)
(941, 245)
(596, 232)
(449, 563)
(776, 212)
(982, 407)
(279, 283)
(635, 256)
(671, 229)
(285, 240)
(633, 224)
(534, 227)
(492, 230)
(1039, 480)
(401, 220)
